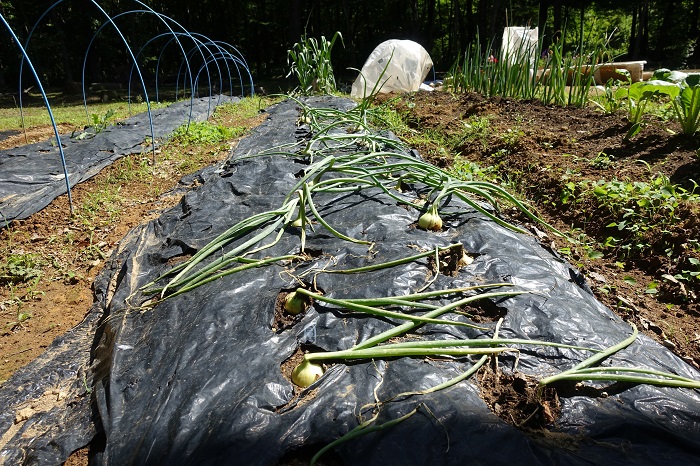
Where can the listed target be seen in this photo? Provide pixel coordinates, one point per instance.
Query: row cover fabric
(397, 65)
(197, 379)
(519, 46)
(31, 176)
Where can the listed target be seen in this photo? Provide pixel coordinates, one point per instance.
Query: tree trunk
(542, 19)
(481, 18)
(556, 34)
(349, 35)
(460, 28)
(431, 21)
(631, 52)
(662, 38)
(468, 33)
(65, 55)
(644, 24)
(641, 38)
(294, 30)
(493, 19)
(695, 33)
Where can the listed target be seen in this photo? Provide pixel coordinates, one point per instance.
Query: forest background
(662, 32)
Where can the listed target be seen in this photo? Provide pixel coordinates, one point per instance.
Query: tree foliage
(663, 32)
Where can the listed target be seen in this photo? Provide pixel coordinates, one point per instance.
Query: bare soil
(518, 400)
(9, 139)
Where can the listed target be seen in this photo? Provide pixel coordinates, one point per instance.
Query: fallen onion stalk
(584, 371)
(380, 352)
(411, 298)
(484, 346)
(202, 279)
(408, 326)
(375, 311)
(321, 220)
(479, 342)
(363, 428)
(182, 280)
(394, 263)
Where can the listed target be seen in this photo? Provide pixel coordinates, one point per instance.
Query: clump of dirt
(450, 261)
(518, 400)
(483, 311)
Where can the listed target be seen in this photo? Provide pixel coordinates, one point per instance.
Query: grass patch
(10, 118)
(204, 132)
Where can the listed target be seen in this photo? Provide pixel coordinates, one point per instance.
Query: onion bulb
(297, 223)
(306, 373)
(295, 303)
(431, 219)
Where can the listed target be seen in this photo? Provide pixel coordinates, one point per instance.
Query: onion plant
(312, 371)
(565, 78)
(373, 348)
(492, 74)
(367, 427)
(369, 349)
(338, 162)
(585, 370)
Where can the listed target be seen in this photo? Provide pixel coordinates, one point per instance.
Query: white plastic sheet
(408, 65)
(519, 45)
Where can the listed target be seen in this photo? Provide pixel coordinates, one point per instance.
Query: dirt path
(48, 261)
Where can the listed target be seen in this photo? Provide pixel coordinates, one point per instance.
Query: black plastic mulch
(197, 379)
